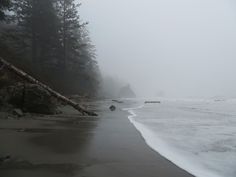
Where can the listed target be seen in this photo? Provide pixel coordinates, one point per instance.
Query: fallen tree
(31, 79)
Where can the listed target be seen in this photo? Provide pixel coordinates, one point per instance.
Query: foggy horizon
(183, 48)
(125, 88)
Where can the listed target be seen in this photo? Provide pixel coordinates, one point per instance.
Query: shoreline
(145, 134)
(106, 146)
(157, 146)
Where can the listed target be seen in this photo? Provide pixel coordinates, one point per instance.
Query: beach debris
(112, 108)
(152, 102)
(117, 101)
(219, 100)
(52, 92)
(18, 112)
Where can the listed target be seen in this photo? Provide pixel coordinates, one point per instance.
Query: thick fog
(184, 48)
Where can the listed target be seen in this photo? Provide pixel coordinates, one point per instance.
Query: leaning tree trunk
(29, 78)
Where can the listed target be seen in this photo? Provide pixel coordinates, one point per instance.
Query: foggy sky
(182, 47)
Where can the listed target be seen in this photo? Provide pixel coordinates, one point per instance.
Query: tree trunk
(29, 78)
(64, 36)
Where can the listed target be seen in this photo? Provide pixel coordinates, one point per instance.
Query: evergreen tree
(38, 22)
(50, 34)
(67, 11)
(4, 5)
(78, 51)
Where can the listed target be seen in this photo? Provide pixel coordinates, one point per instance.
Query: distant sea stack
(126, 92)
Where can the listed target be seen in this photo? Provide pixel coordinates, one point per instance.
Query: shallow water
(197, 135)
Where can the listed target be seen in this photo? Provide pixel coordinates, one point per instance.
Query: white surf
(199, 136)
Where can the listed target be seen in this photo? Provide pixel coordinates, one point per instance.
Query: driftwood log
(30, 79)
(147, 102)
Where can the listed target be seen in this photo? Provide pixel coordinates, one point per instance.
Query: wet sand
(68, 145)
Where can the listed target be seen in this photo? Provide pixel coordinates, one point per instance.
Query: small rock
(18, 112)
(112, 108)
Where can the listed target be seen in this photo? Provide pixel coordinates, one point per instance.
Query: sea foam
(182, 133)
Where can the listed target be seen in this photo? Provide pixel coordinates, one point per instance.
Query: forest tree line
(48, 39)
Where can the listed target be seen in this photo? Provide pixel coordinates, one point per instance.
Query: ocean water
(199, 136)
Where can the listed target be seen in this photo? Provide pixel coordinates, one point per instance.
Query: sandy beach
(68, 145)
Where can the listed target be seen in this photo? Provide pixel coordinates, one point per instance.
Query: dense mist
(176, 48)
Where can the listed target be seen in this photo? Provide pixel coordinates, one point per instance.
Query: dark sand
(66, 146)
